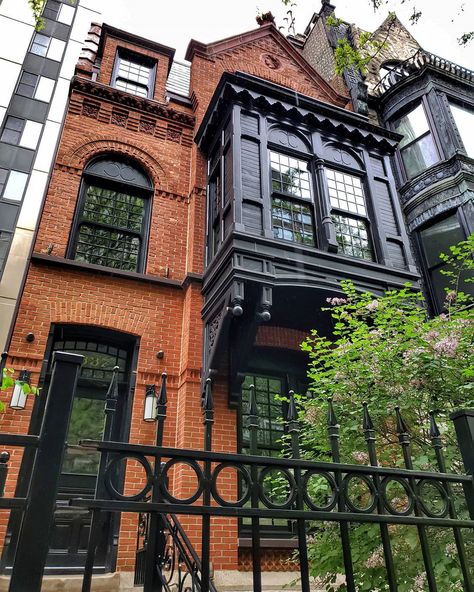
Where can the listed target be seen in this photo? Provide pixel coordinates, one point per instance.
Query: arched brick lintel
(79, 155)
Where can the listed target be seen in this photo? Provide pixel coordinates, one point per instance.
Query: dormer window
(134, 74)
(417, 148)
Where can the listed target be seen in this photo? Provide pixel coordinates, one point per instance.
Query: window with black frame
(112, 218)
(349, 214)
(417, 148)
(464, 119)
(292, 217)
(134, 74)
(434, 239)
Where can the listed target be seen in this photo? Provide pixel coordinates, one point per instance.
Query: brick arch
(79, 155)
(105, 316)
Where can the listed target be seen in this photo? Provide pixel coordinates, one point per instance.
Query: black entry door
(102, 351)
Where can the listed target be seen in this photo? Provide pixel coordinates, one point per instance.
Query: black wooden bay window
(349, 214)
(291, 199)
(111, 224)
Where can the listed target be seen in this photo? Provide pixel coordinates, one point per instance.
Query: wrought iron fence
(269, 488)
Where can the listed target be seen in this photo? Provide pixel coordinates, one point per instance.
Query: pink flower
(451, 296)
(446, 347)
(431, 335)
(376, 559)
(361, 457)
(336, 301)
(372, 306)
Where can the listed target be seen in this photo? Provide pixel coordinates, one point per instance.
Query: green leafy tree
(387, 352)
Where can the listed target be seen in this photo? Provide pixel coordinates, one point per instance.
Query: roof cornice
(116, 96)
(258, 93)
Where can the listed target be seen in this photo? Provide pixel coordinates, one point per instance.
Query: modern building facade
(35, 69)
(197, 218)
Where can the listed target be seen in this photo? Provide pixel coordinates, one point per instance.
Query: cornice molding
(118, 97)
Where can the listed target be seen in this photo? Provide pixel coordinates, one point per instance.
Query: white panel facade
(15, 39)
(9, 72)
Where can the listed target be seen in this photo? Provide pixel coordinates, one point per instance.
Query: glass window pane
(12, 130)
(51, 9)
(353, 237)
(15, 186)
(419, 156)
(27, 84)
(44, 89)
(292, 221)
(464, 119)
(40, 44)
(412, 125)
(31, 134)
(56, 49)
(439, 237)
(66, 14)
(342, 193)
(290, 175)
(108, 247)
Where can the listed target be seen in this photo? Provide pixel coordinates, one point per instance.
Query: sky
(175, 22)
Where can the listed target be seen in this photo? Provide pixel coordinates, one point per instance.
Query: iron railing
(415, 63)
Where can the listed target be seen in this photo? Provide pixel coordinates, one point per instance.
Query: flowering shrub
(387, 352)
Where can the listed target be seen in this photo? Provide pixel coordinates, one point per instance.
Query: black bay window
(417, 148)
(111, 223)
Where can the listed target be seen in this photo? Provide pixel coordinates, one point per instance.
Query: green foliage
(385, 351)
(37, 10)
(346, 56)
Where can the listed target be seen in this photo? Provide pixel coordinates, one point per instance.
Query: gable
(266, 53)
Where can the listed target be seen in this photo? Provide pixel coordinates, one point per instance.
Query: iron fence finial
(434, 430)
(402, 428)
(367, 423)
(292, 414)
(331, 419)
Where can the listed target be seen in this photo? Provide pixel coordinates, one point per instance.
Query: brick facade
(161, 306)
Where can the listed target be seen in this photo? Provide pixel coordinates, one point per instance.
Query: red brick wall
(163, 317)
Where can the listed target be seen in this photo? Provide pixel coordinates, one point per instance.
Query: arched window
(112, 216)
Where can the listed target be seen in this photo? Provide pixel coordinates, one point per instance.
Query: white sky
(175, 22)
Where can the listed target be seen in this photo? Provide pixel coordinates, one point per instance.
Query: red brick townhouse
(197, 218)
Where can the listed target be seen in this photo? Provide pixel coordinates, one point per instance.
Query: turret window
(464, 119)
(417, 148)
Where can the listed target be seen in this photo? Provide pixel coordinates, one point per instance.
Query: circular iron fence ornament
(200, 480)
(246, 491)
(332, 484)
(110, 471)
(423, 484)
(291, 483)
(388, 503)
(369, 508)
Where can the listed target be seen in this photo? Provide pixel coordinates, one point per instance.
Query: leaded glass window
(134, 75)
(112, 220)
(270, 413)
(292, 217)
(290, 175)
(292, 221)
(349, 214)
(464, 119)
(417, 148)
